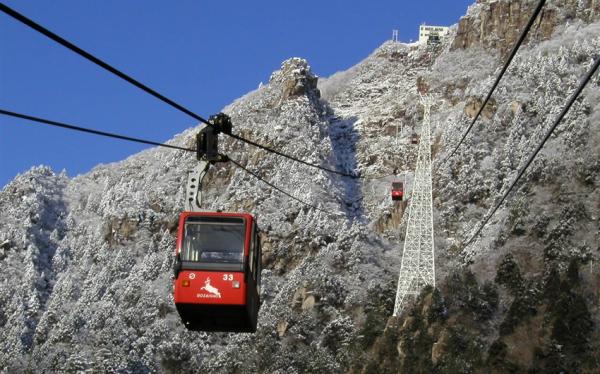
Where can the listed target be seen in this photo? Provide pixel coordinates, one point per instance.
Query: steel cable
(88, 56)
(535, 14)
(143, 141)
(570, 102)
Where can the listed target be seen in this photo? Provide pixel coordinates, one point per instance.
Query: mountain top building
(431, 34)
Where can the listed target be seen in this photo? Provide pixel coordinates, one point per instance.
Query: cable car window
(214, 240)
(251, 254)
(397, 185)
(255, 257)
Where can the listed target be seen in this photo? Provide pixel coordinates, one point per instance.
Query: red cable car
(216, 286)
(414, 138)
(217, 271)
(397, 191)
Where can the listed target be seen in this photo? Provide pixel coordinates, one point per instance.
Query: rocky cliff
(496, 25)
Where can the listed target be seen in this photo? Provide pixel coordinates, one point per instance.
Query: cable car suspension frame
(207, 153)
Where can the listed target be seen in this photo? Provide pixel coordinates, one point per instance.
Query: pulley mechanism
(207, 140)
(207, 153)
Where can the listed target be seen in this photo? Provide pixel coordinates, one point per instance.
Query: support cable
(274, 151)
(88, 56)
(510, 58)
(282, 191)
(90, 131)
(570, 102)
(143, 141)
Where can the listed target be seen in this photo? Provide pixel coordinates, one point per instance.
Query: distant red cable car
(397, 191)
(414, 138)
(217, 271)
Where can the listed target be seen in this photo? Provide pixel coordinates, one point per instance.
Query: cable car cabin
(397, 191)
(217, 271)
(414, 138)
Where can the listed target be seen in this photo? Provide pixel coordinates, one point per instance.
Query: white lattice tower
(418, 268)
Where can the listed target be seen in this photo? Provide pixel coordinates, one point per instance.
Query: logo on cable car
(213, 291)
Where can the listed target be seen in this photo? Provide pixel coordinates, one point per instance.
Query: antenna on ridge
(395, 35)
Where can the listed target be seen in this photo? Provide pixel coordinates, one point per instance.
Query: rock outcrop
(497, 24)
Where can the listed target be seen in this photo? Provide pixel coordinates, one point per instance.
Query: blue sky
(201, 54)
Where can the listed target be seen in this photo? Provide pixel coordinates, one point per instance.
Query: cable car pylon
(417, 268)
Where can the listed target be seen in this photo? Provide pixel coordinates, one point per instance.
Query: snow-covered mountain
(86, 262)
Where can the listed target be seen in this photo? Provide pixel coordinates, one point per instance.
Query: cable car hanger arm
(207, 153)
(193, 202)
